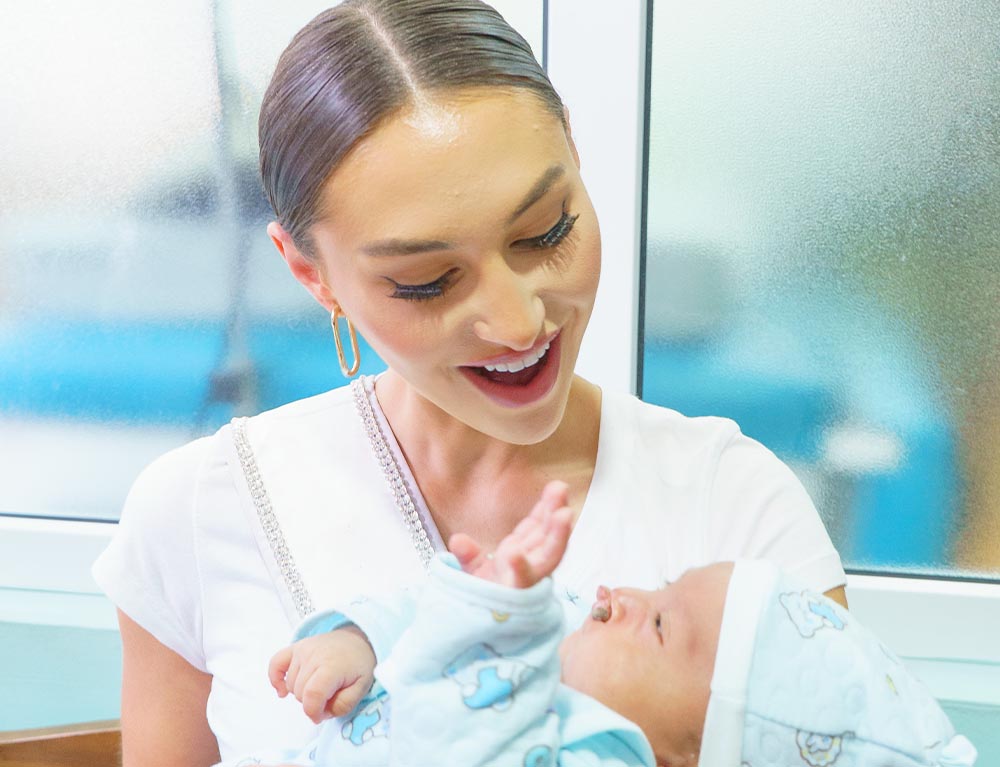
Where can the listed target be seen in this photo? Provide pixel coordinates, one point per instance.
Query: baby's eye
(658, 624)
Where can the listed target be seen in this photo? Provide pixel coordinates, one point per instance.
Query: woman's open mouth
(518, 381)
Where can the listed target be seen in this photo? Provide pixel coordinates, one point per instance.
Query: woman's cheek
(407, 335)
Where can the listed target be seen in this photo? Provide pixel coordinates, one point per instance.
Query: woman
(427, 192)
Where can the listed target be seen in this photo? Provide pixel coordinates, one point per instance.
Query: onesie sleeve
(149, 570)
(758, 509)
(381, 620)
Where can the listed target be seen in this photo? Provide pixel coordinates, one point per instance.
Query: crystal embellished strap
(269, 522)
(387, 460)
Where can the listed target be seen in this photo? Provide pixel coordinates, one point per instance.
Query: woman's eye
(424, 292)
(554, 236)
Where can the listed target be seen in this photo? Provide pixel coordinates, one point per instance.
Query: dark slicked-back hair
(357, 64)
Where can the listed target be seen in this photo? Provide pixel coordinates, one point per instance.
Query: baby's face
(649, 655)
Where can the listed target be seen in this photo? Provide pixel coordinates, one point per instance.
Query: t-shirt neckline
(579, 557)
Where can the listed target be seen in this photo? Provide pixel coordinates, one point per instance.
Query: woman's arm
(163, 704)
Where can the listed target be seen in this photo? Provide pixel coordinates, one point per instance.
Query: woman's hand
(530, 552)
(328, 673)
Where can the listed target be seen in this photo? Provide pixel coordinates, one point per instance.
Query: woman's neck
(477, 483)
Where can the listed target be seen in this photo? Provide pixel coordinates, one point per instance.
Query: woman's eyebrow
(394, 247)
(538, 191)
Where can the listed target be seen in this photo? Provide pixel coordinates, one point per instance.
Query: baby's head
(739, 663)
(650, 656)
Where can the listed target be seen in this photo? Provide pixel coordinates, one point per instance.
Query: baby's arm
(329, 668)
(471, 681)
(328, 673)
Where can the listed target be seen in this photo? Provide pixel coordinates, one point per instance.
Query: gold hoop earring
(341, 358)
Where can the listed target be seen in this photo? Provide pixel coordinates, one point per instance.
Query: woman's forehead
(445, 156)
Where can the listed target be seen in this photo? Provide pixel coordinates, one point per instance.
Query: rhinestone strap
(269, 522)
(387, 460)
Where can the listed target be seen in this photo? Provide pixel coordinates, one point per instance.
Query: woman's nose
(510, 312)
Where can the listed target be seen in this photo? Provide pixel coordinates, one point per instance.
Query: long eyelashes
(421, 292)
(435, 288)
(555, 235)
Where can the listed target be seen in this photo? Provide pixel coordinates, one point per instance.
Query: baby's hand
(328, 673)
(530, 552)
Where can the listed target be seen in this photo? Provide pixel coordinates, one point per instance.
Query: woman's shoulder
(336, 409)
(178, 474)
(742, 500)
(709, 452)
(660, 431)
(306, 414)
(330, 400)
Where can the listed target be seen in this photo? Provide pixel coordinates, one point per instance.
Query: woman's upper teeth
(521, 364)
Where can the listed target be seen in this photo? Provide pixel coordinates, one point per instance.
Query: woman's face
(460, 241)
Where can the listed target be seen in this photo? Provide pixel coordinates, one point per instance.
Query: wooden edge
(60, 731)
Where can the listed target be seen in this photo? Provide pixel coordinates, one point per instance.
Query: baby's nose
(628, 602)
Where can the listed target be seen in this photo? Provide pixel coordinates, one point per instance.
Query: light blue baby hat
(799, 683)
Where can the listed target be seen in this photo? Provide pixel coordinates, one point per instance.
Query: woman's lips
(524, 385)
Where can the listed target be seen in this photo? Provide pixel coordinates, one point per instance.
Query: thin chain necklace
(390, 468)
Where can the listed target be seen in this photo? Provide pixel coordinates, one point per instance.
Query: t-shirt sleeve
(758, 509)
(150, 568)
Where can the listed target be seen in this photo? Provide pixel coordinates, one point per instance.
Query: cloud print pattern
(825, 692)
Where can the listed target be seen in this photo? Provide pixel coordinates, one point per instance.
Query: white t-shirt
(206, 569)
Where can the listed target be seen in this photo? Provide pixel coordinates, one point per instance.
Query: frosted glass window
(823, 258)
(141, 302)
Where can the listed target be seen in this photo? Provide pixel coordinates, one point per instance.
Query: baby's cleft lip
(601, 610)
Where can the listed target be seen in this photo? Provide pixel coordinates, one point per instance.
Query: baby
(730, 666)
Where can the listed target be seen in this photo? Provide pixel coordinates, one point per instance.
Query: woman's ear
(303, 268)
(569, 137)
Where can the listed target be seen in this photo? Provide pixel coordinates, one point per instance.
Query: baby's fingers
(277, 669)
(551, 550)
(520, 573)
(292, 677)
(468, 552)
(344, 701)
(555, 495)
(315, 695)
(532, 530)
